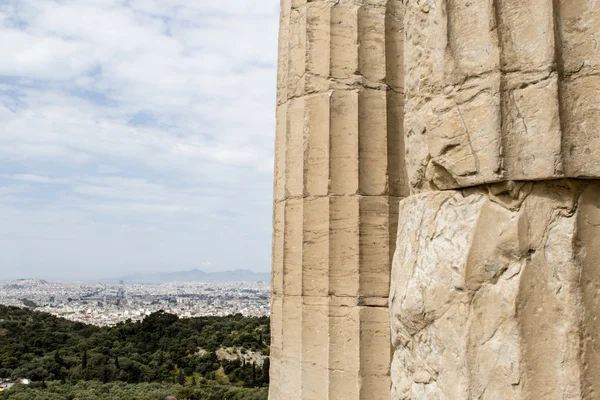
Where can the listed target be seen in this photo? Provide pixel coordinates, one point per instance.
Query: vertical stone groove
(394, 72)
(559, 65)
(501, 168)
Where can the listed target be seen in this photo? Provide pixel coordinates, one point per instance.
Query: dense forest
(94, 390)
(161, 355)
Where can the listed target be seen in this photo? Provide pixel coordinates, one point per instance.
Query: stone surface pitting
(339, 175)
(501, 90)
(494, 293)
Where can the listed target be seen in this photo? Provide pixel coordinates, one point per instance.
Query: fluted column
(501, 90)
(338, 180)
(495, 284)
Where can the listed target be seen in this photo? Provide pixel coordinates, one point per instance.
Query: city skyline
(108, 304)
(136, 136)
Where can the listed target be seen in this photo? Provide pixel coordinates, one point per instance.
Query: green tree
(265, 369)
(42, 347)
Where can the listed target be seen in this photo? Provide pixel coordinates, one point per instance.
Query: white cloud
(36, 178)
(147, 112)
(107, 169)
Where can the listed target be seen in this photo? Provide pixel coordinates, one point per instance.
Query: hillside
(163, 349)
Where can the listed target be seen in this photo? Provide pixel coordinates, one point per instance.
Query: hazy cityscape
(108, 304)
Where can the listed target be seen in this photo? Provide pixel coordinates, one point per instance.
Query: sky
(135, 136)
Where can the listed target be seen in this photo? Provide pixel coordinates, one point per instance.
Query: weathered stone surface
(494, 293)
(329, 348)
(494, 288)
(339, 175)
(501, 90)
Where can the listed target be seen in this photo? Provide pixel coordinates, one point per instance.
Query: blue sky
(135, 135)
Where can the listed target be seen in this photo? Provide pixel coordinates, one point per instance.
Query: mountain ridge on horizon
(193, 275)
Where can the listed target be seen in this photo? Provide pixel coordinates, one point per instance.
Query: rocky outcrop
(495, 293)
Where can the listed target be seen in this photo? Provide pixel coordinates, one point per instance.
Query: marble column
(339, 176)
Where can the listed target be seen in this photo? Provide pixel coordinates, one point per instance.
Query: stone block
(500, 91)
(489, 286)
